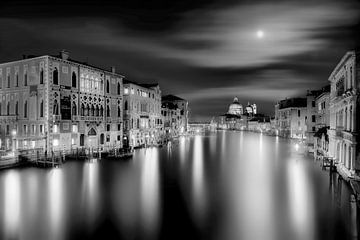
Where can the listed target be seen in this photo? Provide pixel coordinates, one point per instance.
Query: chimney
(64, 54)
(113, 69)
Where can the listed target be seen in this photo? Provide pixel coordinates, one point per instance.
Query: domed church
(235, 108)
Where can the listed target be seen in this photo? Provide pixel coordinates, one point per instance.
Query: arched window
(74, 110)
(108, 111)
(25, 109)
(8, 108)
(102, 138)
(351, 118)
(25, 79)
(82, 110)
(8, 81)
(107, 86)
(41, 76)
(42, 109)
(346, 118)
(97, 110)
(55, 76)
(73, 80)
(16, 108)
(86, 113)
(56, 108)
(118, 88)
(92, 110)
(101, 111)
(126, 105)
(119, 112)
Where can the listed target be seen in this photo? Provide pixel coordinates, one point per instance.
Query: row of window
(139, 93)
(25, 108)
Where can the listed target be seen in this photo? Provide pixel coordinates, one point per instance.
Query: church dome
(235, 108)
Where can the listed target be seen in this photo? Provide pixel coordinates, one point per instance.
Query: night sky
(204, 51)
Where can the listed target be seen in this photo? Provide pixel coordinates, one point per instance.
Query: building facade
(171, 119)
(322, 124)
(142, 114)
(53, 103)
(290, 117)
(344, 115)
(183, 105)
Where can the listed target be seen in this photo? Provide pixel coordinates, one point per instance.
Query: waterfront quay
(219, 185)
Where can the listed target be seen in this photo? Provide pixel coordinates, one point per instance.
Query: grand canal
(225, 185)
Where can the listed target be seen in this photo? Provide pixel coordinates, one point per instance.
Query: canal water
(224, 185)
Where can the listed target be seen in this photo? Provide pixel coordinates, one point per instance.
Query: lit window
(56, 142)
(74, 128)
(126, 90)
(32, 144)
(73, 141)
(55, 129)
(132, 91)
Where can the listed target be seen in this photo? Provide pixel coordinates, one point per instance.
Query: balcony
(8, 118)
(56, 118)
(88, 118)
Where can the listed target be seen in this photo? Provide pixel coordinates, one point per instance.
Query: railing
(9, 118)
(88, 118)
(57, 117)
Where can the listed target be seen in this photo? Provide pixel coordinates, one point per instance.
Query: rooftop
(171, 98)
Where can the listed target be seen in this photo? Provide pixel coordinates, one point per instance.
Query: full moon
(260, 34)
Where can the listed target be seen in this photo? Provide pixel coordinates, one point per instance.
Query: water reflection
(150, 193)
(12, 205)
(90, 189)
(231, 185)
(56, 203)
(300, 201)
(198, 188)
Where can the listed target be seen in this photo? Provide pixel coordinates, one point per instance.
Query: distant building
(290, 115)
(235, 108)
(183, 105)
(322, 124)
(53, 103)
(171, 119)
(310, 119)
(142, 114)
(344, 110)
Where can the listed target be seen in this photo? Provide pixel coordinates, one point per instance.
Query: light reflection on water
(227, 185)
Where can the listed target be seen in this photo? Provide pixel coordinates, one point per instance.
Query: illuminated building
(235, 108)
(322, 123)
(142, 114)
(183, 105)
(171, 118)
(54, 103)
(344, 109)
(290, 117)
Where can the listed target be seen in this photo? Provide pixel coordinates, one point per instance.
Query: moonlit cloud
(204, 52)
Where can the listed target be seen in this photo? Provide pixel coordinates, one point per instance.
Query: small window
(299, 113)
(313, 103)
(42, 109)
(108, 127)
(25, 109)
(41, 76)
(73, 80)
(313, 118)
(41, 128)
(107, 86)
(25, 79)
(56, 76)
(17, 79)
(118, 88)
(8, 81)
(108, 138)
(119, 127)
